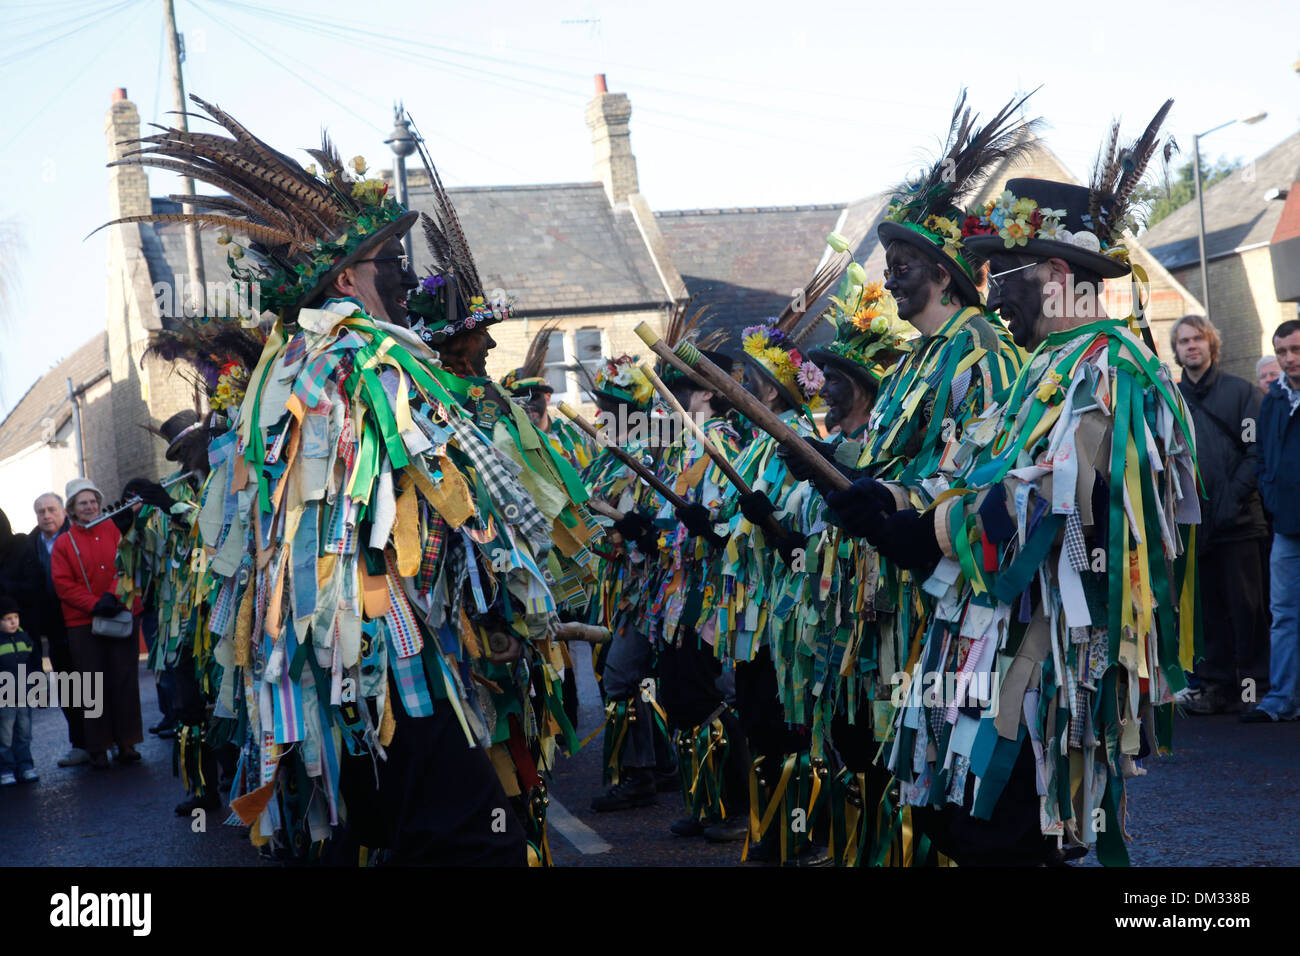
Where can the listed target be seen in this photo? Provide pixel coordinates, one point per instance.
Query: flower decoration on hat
(775, 353)
(869, 336)
(621, 379)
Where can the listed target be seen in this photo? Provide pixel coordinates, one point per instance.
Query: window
(589, 352)
(554, 369)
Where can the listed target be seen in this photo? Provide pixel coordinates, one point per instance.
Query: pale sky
(745, 104)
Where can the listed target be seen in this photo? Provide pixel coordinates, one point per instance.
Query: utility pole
(193, 253)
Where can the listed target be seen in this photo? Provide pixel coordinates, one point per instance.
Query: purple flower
(432, 284)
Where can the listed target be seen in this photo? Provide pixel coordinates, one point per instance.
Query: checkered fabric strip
(1075, 545)
(435, 542)
(294, 350)
(498, 476)
(412, 685)
(405, 634)
(310, 384)
(223, 608)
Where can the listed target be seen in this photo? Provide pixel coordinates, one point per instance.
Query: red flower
(796, 357)
(1036, 219)
(970, 226)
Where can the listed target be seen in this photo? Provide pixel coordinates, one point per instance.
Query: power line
(18, 55)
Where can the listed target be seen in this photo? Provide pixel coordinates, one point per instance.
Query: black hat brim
(1105, 266)
(893, 232)
(851, 368)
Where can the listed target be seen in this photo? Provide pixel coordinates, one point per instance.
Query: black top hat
(932, 247)
(176, 429)
(1073, 200)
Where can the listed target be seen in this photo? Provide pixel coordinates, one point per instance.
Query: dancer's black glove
(699, 523)
(757, 508)
(907, 538)
(791, 546)
(861, 508)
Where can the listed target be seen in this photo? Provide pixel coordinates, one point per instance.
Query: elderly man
(43, 617)
(1267, 371)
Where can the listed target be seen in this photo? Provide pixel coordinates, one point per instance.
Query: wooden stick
(574, 631)
(609, 511)
(754, 410)
(646, 475)
(771, 525)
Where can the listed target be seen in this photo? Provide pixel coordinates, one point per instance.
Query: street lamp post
(1200, 202)
(403, 144)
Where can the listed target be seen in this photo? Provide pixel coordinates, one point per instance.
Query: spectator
(85, 578)
(15, 578)
(1225, 410)
(1279, 483)
(1266, 372)
(15, 718)
(43, 615)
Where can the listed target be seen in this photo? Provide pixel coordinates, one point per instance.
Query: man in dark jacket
(1225, 410)
(43, 614)
(1279, 484)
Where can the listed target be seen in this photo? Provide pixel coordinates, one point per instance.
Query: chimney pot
(119, 94)
(600, 83)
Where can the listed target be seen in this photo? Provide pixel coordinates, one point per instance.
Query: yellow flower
(224, 239)
(857, 275)
(237, 251)
(1016, 232)
(865, 316)
(837, 242)
(359, 164)
(754, 343)
(880, 325)
(311, 169)
(872, 291)
(1024, 208)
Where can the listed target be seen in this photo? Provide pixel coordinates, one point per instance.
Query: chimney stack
(128, 186)
(607, 118)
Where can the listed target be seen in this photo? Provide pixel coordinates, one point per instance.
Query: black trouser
(689, 692)
(1235, 617)
(440, 802)
(190, 709)
(62, 663)
(1011, 836)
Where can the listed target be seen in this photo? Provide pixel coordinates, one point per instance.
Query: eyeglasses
(403, 261)
(996, 286)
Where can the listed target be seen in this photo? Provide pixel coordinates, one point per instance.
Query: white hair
(1264, 360)
(48, 494)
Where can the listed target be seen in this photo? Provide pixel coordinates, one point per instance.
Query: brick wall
(615, 166)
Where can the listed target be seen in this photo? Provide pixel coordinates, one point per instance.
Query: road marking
(586, 840)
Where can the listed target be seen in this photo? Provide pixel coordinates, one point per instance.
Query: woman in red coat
(85, 579)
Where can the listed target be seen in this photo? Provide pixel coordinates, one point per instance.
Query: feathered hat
(869, 336)
(528, 378)
(1083, 225)
(686, 325)
(771, 347)
(305, 226)
(926, 212)
(450, 300)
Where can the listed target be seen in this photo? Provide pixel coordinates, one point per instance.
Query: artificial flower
(880, 325)
(359, 164)
(476, 392)
(873, 290)
(1086, 240)
(857, 275)
(1052, 213)
(837, 242)
(1016, 233)
(1022, 208)
(311, 169)
(1004, 202)
(1054, 230)
(810, 378)
(225, 238)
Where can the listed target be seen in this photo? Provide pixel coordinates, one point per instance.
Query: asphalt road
(1227, 797)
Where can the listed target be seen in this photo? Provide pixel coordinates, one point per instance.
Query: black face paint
(393, 283)
(758, 386)
(840, 394)
(909, 279)
(1017, 298)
